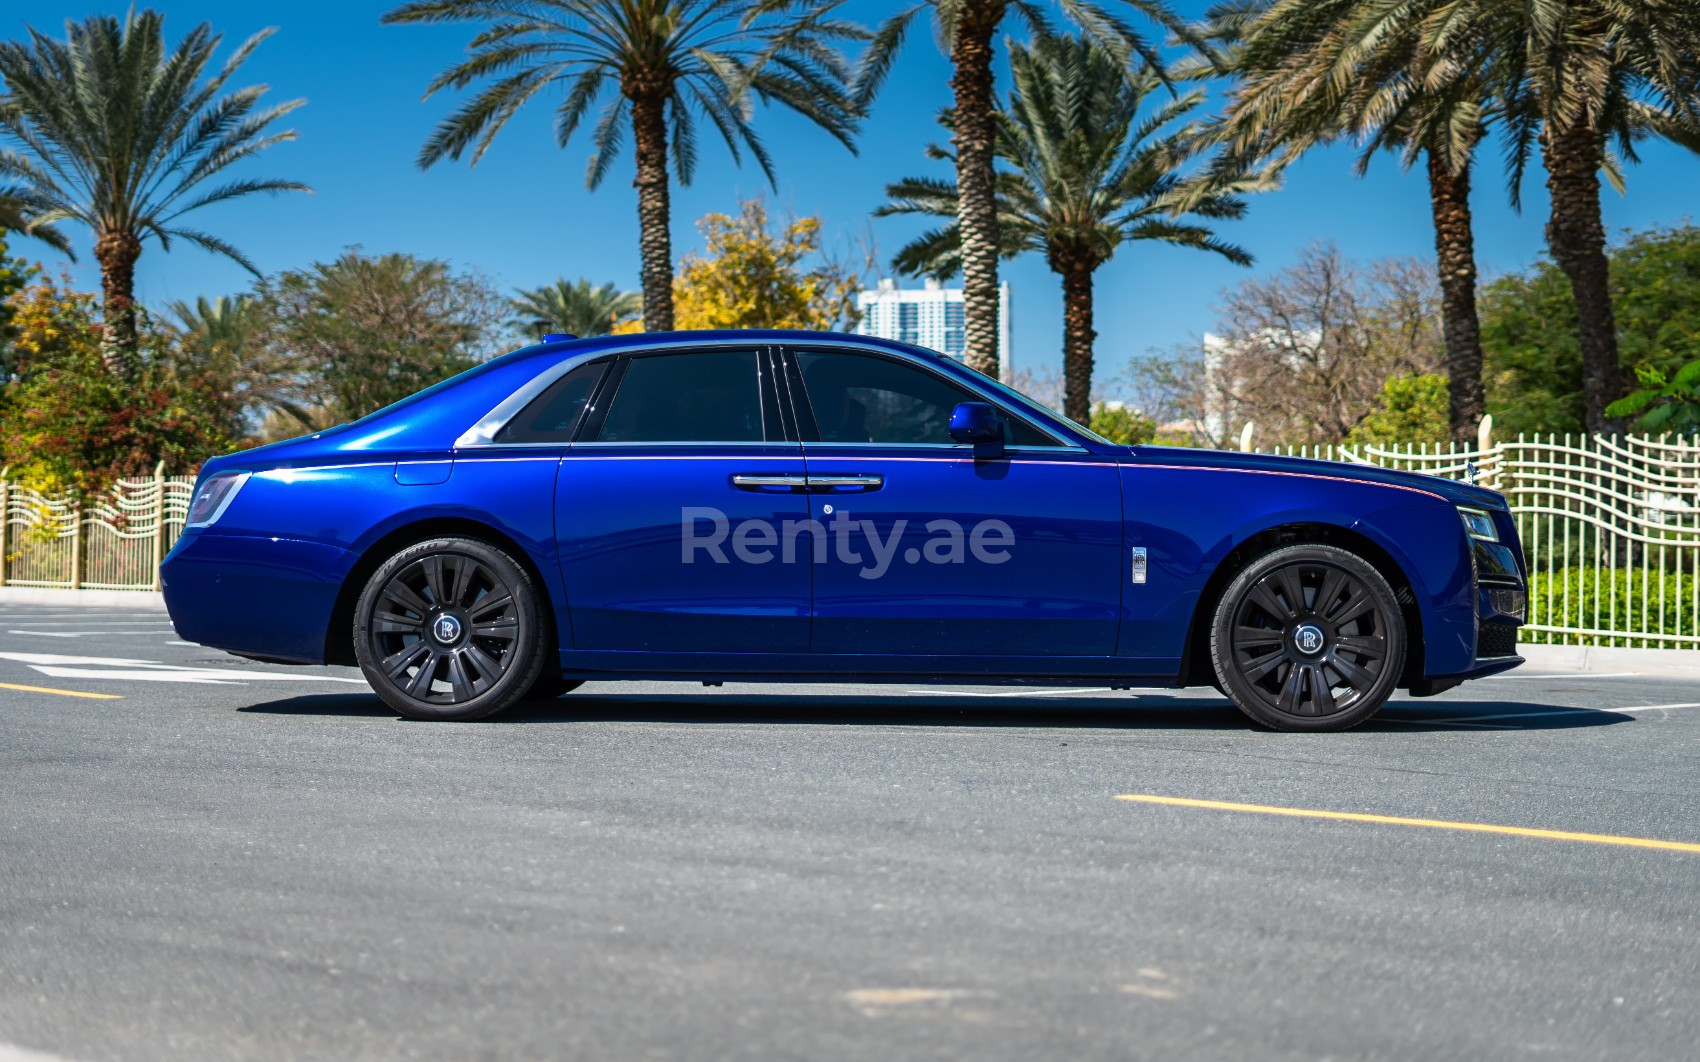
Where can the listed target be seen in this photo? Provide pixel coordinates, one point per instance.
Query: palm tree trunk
(1577, 237)
(1078, 335)
(977, 209)
(117, 253)
(1455, 251)
(649, 135)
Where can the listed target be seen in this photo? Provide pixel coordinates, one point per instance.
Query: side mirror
(978, 423)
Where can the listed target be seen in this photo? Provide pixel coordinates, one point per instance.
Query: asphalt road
(262, 862)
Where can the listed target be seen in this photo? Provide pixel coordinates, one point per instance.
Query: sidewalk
(33, 595)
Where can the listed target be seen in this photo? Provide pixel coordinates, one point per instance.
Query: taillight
(214, 496)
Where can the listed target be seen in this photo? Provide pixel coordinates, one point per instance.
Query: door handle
(769, 482)
(847, 481)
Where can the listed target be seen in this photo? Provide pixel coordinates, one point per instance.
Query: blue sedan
(794, 506)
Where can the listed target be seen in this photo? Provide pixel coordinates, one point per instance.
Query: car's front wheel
(1309, 638)
(451, 629)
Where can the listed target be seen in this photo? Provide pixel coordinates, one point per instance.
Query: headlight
(214, 496)
(1478, 524)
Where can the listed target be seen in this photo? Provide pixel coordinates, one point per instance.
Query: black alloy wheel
(451, 629)
(1309, 638)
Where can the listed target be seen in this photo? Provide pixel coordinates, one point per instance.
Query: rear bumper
(265, 597)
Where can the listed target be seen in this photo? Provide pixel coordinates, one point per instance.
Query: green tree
(576, 307)
(14, 274)
(1122, 425)
(967, 29)
(224, 341)
(15, 216)
(1534, 361)
(370, 330)
(69, 423)
(1576, 77)
(1312, 73)
(1091, 166)
(752, 276)
(660, 64)
(118, 133)
(1663, 404)
(1410, 409)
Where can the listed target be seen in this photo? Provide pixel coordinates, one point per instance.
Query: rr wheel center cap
(447, 629)
(1308, 639)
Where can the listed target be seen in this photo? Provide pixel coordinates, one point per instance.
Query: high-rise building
(929, 316)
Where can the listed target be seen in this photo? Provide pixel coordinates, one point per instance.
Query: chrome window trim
(482, 434)
(1059, 448)
(771, 444)
(972, 387)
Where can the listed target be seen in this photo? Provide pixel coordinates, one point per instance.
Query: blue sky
(523, 216)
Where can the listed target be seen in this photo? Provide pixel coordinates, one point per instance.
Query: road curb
(36, 595)
(1674, 663)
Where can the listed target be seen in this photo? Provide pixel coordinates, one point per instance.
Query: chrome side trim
(483, 433)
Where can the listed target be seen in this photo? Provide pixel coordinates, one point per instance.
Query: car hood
(1452, 490)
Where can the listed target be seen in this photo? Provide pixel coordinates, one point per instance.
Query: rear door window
(690, 396)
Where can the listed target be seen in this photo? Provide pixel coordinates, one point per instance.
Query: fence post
(1484, 433)
(5, 525)
(77, 544)
(158, 521)
(1245, 437)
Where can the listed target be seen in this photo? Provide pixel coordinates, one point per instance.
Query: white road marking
(1543, 715)
(1564, 675)
(167, 673)
(96, 621)
(92, 634)
(131, 676)
(125, 669)
(55, 658)
(14, 1053)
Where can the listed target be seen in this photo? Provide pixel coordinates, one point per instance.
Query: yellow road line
(1439, 824)
(63, 693)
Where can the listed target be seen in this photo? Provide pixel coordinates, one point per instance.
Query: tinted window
(553, 416)
(857, 398)
(687, 397)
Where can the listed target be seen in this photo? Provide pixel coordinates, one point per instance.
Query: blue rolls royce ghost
(791, 506)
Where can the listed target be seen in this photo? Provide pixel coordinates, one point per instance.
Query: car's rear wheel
(451, 629)
(1309, 638)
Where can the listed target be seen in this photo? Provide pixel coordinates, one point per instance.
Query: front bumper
(257, 596)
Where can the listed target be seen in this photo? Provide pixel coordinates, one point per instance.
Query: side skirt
(824, 667)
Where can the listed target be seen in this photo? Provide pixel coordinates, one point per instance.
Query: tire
(1308, 638)
(451, 629)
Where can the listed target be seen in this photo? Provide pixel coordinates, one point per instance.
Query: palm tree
(15, 217)
(968, 28)
(1309, 74)
(578, 308)
(1576, 76)
(116, 132)
(660, 64)
(1571, 76)
(224, 342)
(1086, 174)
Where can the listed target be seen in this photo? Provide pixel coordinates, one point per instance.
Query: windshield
(1009, 392)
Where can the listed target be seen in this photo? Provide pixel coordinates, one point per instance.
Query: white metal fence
(114, 542)
(1610, 526)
